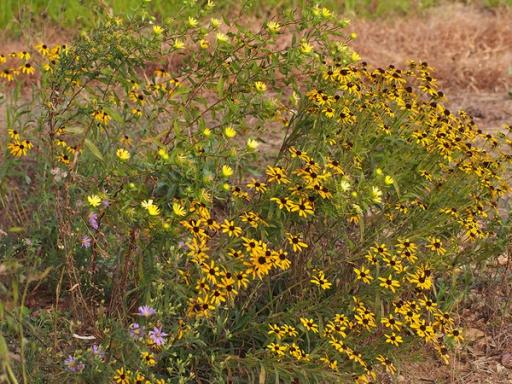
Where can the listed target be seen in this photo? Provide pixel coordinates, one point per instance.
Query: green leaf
(220, 87)
(74, 130)
(93, 148)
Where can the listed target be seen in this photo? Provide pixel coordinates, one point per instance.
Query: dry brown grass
(469, 47)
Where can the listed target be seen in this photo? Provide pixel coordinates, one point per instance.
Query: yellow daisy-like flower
(388, 180)
(305, 47)
(222, 37)
(260, 86)
(178, 44)
(94, 200)
(18, 148)
(252, 144)
(192, 21)
(203, 43)
(152, 209)
(227, 171)
(273, 26)
(215, 23)
(157, 30)
(230, 132)
(123, 154)
(178, 209)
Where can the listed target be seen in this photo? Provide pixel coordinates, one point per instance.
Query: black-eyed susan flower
(296, 242)
(363, 274)
(276, 330)
(303, 208)
(148, 358)
(387, 364)
(391, 322)
(122, 376)
(436, 245)
(281, 261)
(394, 339)
(258, 186)
(259, 265)
(241, 279)
(309, 324)
(320, 280)
(18, 148)
(277, 349)
(389, 283)
(229, 227)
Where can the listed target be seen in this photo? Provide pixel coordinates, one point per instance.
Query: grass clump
(142, 206)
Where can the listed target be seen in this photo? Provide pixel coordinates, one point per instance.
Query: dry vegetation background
(471, 50)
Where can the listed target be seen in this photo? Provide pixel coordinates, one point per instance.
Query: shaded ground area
(471, 51)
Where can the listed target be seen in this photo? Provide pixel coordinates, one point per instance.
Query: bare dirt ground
(471, 51)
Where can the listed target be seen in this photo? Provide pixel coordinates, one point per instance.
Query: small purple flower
(98, 351)
(93, 221)
(136, 331)
(73, 364)
(86, 242)
(105, 203)
(146, 311)
(157, 336)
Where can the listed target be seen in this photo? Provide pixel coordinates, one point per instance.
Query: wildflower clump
(198, 252)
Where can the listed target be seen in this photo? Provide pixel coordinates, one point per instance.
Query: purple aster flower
(157, 336)
(93, 221)
(73, 364)
(136, 331)
(105, 203)
(98, 351)
(86, 242)
(146, 311)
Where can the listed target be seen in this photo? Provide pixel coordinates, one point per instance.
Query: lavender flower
(157, 336)
(105, 203)
(73, 364)
(136, 331)
(146, 311)
(86, 242)
(93, 221)
(98, 351)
